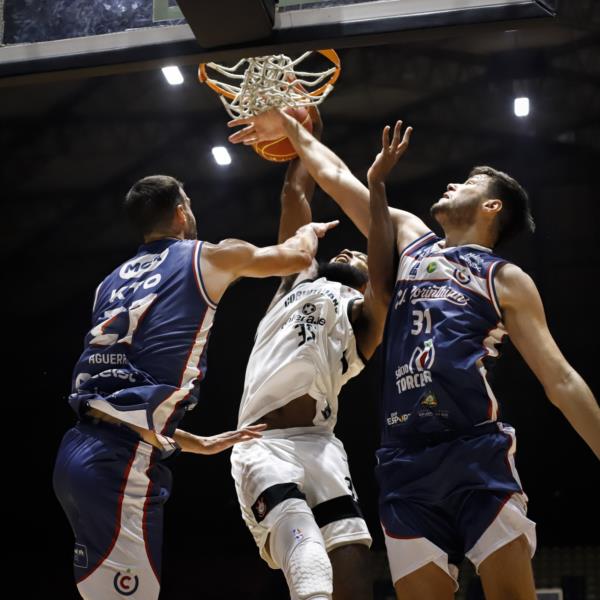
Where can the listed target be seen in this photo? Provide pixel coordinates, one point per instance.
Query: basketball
(281, 149)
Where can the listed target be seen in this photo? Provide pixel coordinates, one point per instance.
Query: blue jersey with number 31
(443, 328)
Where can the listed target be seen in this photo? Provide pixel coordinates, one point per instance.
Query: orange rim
(329, 54)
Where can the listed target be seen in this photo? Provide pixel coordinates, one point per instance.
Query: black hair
(151, 201)
(343, 273)
(515, 215)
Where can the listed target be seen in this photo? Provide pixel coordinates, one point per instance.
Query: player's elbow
(304, 260)
(329, 177)
(298, 261)
(559, 387)
(292, 192)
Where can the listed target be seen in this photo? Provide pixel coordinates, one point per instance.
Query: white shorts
(406, 555)
(308, 462)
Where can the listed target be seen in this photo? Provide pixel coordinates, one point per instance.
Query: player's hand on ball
(222, 441)
(268, 125)
(390, 153)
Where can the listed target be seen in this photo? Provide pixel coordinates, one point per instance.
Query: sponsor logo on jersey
(308, 309)
(431, 267)
(473, 261)
(429, 400)
(462, 275)
(430, 293)
(150, 282)
(299, 293)
(396, 419)
(416, 373)
(121, 374)
(310, 320)
(80, 557)
(126, 583)
(142, 264)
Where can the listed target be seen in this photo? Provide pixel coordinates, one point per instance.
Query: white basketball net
(267, 82)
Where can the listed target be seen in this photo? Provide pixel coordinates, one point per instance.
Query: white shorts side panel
(510, 524)
(406, 555)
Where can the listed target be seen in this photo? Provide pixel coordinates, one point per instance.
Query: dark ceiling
(72, 148)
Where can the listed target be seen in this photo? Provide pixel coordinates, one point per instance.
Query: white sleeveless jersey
(305, 344)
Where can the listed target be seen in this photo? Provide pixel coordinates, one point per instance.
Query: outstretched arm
(232, 259)
(196, 444)
(327, 169)
(526, 325)
(382, 251)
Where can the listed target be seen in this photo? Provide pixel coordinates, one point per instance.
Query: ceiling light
(222, 156)
(521, 107)
(173, 75)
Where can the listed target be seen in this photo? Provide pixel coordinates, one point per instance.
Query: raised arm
(327, 169)
(526, 325)
(382, 251)
(232, 259)
(297, 191)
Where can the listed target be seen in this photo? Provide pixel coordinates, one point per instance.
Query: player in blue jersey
(139, 372)
(448, 485)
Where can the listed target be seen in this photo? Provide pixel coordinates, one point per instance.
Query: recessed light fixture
(173, 75)
(221, 155)
(521, 106)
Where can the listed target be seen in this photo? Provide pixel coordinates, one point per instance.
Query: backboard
(62, 35)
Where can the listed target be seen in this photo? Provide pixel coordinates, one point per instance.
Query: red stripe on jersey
(145, 517)
(185, 367)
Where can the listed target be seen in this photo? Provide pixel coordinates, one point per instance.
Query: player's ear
(179, 216)
(492, 206)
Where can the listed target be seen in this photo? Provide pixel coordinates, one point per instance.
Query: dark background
(71, 149)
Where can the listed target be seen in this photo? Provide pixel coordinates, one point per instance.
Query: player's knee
(297, 546)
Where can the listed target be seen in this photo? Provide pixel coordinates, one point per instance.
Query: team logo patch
(462, 276)
(126, 583)
(308, 309)
(80, 558)
(422, 358)
(260, 508)
(414, 374)
(431, 267)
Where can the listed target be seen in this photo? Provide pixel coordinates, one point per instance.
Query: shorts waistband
(291, 431)
(438, 437)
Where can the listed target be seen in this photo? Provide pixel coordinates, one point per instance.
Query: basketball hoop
(254, 85)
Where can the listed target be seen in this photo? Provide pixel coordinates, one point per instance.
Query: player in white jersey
(440, 478)
(294, 486)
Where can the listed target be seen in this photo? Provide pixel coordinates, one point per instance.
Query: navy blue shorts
(113, 488)
(450, 492)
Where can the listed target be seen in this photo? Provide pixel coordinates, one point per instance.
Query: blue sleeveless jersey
(146, 352)
(443, 328)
